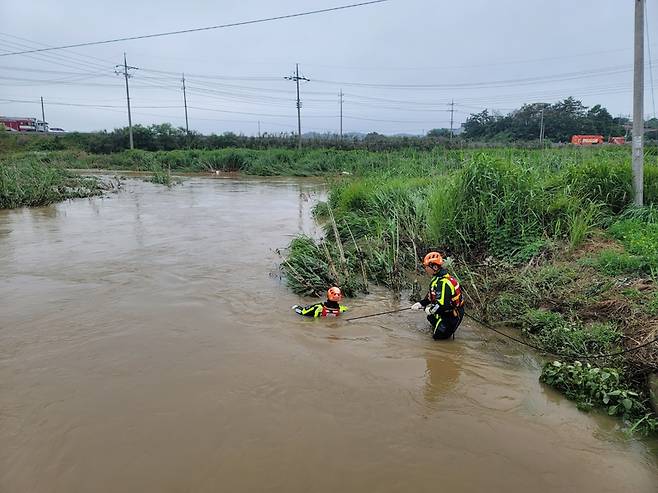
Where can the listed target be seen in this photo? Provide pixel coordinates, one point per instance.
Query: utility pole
(646, 27)
(123, 70)
(541, 129)
(638, 106)
(43, 116)
(297, 78)
(259, 129)
(341, 114)
(452, 113)
(187, 126)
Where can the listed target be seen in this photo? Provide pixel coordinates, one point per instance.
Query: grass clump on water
(32, 183)
(162, 176)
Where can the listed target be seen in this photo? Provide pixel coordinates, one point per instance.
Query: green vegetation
(30, 182)
(561, 120)
(162, 176)
(527, 231)
(604, 388)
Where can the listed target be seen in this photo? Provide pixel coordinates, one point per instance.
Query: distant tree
(166, 137)
(651, 131)
(478, 125)
(439, 132)
(561, 120)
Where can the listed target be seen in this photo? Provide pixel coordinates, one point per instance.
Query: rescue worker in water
(330, 308)
(444, 303)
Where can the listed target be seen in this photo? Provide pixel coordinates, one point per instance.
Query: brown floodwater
(147, 345)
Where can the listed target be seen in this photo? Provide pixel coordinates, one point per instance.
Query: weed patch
(593, 387)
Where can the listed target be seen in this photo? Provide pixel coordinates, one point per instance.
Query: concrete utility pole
(638, 106)
(452, 113)
(541, 128)
(341, 114)
(297, 78)
(187, 126)
(646, 28)
(43, 116)
(123, 70)
(259, 129)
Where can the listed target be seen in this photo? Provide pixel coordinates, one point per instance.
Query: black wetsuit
(326, 309)
(447, 305)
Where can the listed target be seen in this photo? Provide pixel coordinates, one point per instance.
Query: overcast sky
(398, 63)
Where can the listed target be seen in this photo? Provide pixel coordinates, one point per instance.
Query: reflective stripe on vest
(455, 291)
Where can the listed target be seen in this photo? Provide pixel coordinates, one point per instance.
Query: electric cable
(207, 28)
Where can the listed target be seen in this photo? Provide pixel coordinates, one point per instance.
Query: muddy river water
(147, 345)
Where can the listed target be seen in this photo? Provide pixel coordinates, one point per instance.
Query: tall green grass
(30, 182)
(383, 165)
(510, 204)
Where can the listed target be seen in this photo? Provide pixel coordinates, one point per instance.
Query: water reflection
(442, 372)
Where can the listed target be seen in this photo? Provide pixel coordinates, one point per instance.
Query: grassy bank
(545, 242)
(30, 182)
(316, 162)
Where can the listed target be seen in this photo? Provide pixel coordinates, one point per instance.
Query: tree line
(520, 127)
(560, 120)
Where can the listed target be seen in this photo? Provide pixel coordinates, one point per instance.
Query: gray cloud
(379, 55)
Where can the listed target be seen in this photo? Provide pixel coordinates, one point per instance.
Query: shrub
(594, 387)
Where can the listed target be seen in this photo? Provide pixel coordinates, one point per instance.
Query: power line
(208, 28)
(54, 58)
(478, 65)
(77, 55)
(606, 71)
(80, 105)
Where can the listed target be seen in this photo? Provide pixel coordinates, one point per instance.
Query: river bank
(551, 248)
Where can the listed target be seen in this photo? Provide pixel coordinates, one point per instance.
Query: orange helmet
(334, 294)
(433, 258)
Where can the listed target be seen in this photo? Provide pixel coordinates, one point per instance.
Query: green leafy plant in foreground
(593, 387)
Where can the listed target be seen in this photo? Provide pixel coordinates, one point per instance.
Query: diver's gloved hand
(417, 306)
(431, 309)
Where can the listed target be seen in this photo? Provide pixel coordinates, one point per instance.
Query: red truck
(585, 140)
(23, 124)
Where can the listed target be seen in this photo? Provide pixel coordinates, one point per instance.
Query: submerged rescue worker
(330, 308)
(444, 303)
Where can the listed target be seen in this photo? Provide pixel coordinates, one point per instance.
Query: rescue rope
(377, 314)
(528, 344)
(564, 355)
